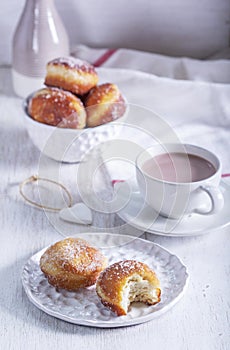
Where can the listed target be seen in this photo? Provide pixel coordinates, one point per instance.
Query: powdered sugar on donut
(73, 63)
(74, 253)
(121, 269)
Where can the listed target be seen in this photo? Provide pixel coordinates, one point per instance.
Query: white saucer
(142, 216)
(84, 307)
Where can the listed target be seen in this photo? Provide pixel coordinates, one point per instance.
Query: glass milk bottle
(39, 37)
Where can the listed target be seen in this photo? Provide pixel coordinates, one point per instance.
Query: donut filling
(138, 289)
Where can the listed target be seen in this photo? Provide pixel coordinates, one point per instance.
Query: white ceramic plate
(142, 216)
(84, 307)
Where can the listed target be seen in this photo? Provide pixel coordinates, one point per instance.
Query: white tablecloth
(217, 71)
(192, 96)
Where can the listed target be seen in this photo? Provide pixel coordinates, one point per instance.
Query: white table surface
(199, 321)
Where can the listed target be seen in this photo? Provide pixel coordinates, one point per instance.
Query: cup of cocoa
(180, 179)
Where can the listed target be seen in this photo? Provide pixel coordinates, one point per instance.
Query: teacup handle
(217, 200)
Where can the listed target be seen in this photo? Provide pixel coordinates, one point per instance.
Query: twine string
(35, 178)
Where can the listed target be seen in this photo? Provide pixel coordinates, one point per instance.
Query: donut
(71, 74)
(72, 264)
(127, 281)
(57, 107)
(104, 104)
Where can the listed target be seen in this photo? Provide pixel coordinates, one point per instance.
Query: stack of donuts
(72, 98)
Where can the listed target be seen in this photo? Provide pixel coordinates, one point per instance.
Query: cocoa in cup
(180, 179)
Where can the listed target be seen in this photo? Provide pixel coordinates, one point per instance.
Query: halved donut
(127, 281)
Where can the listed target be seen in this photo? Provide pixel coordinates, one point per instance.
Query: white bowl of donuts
(73, 113)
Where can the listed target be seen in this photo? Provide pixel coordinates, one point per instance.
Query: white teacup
(180, 179)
